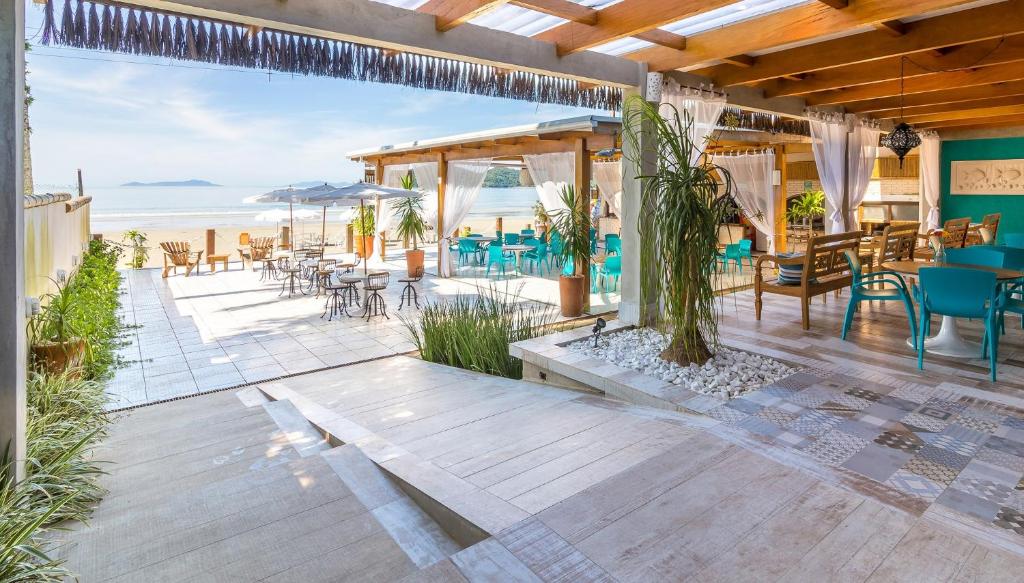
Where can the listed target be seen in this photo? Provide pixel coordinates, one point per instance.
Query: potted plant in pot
(573, 226)
(136, 240)
(807, 207)
(411, 226)
(55, 343)
(363, 228)
(540, 218)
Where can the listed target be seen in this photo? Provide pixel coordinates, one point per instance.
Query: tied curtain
(754, 192)
(550, 174)
(704, 109)
(863, 146)
(465, 179)
(828, 142)
(929, 180)
(608, 176)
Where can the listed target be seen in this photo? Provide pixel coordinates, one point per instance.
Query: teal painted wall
(976, 206)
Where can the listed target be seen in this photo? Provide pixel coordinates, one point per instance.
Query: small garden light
(598, 326)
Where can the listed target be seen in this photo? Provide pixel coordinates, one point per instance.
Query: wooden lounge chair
(179, 254)
(990, 222)
(261, 247)
(954, 236)
(823, 268)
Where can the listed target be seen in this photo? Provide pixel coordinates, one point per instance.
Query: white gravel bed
(730, 373)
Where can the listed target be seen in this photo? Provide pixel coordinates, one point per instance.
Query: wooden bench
(213, 260)
(824, 269)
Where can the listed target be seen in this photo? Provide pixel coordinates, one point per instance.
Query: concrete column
(12, 233)
(629, 304)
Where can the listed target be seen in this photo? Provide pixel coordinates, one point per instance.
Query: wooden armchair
(954, 236)
(261, 248)
(179, 254)
(824, 269)
(989, 222)
(898, 242)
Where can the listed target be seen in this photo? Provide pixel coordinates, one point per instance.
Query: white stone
(729, 373)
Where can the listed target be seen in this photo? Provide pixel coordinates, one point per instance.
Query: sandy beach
(226, 238)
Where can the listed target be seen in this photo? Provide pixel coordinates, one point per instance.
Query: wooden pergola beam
(924, 84)
(744, 61)
(663, 38)
(982, 54)
(948, 96)
(839, 4)
(975, 123)
(561, 8)
(967, 114)
(892, 27)
(948, 107)
(451, 13)
(627, 18)
(967, 26)
(388, 27)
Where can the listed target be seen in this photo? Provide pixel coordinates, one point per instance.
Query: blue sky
(122, 118)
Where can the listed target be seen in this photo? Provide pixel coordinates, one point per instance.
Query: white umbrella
(348, 196)
(289, 195)
(278, 215)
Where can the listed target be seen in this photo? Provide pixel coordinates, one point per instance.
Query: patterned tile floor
(962, 453)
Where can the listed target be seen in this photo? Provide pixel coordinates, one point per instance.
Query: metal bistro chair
(336, 304)
(872, 287)
(409, 293)
(373, 301)
(961, 293)
(325, 268)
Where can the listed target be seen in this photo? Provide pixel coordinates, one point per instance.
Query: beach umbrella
(289, 195)
(278, 215)
(353, 194)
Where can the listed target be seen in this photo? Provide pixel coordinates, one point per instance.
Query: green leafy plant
(136, 240)
(58, 317)
(682, 205)
(573, 226)
(473, 331)
(806, 207)
(540, 214)
(410, 219)
(363, 223)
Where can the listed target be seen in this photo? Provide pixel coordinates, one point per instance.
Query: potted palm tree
(363, 227)
(684, 199)
(411, 226)
(55, 343)
(573, 226)
(140, 253)
(807, 207)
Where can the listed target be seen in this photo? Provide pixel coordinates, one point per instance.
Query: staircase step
(305, 438)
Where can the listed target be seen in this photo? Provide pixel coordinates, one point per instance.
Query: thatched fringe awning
(733, 118)
(138, 31)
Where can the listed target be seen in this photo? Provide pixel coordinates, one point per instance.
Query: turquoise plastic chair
(865, 288)
(467, 249)
(961, 293)
(538, 257)
(977, 255)
(556, 247)
(1014, 240)
(496, 256)
(612, 268)
(732, 253)
(511, 238)
(476, 235)
(1013, 295)
(613, 246)
(527, 233)
(593, 241)
(746, 246)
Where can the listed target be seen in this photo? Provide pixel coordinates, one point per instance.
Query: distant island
(192, 182)
(502, 178)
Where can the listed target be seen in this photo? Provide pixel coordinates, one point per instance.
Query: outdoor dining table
(518, 250)
(948, 341)
(480, 239)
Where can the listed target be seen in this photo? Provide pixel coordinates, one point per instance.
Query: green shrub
(473, 331)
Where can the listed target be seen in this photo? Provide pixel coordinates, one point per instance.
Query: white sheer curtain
(704, 107)
(608, 176)
(384, 213)
(465, 179)
(550, 174)
(929, 180)
(863, 146)
(426, 179)
(828, 142)
(754, 192)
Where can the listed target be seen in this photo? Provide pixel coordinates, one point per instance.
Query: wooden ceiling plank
(452, 13)
(560, 8)
(839, 4)
(967, 123)
(744, 61)
(947, 96)
(894, 112)
(663, 38)
(977, 113)
(892, 27)
(627, 18)
(982, 54)
(986, 22)
(925, 84)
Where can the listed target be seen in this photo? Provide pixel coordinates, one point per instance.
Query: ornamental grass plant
(473, 331)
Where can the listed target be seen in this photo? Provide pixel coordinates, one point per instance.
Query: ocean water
(155, 207)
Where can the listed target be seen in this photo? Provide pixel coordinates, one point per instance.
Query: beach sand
(226, 241)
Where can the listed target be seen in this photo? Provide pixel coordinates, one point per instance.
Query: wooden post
(499, 228)
(379, 177)
(81, 185)
(582, 184)
(442, 181)
(211, 247)
(780, 201)
(349, 238)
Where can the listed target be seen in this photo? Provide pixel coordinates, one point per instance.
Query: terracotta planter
(364, 246)
(413, 261)
(571, 288)
(57, 357)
